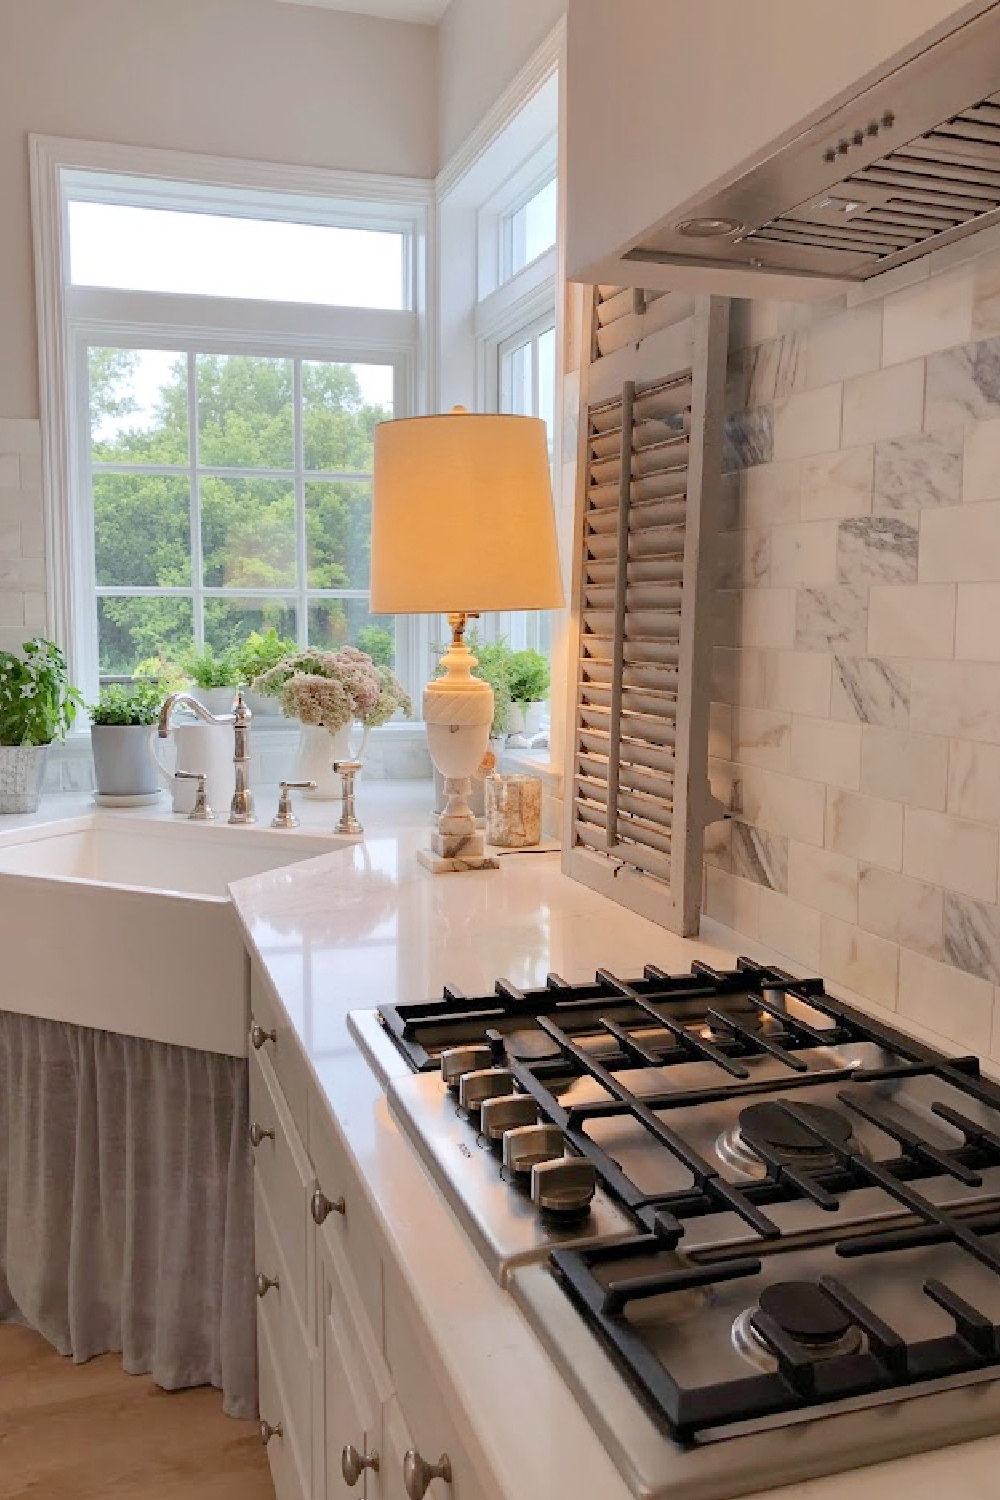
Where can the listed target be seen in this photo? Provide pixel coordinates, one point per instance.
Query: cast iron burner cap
(806, 1313)
(769, 1126)
(530, 1044)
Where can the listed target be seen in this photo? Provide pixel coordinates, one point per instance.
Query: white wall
(665, 96)
(482, 46)
(242, 78)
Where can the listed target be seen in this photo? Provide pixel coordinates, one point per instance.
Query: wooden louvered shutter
(637, 797)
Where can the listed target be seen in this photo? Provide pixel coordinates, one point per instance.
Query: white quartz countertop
(366, 925)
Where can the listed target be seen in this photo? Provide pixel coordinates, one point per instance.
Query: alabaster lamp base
(458, 712)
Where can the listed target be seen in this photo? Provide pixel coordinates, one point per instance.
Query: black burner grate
(607, 1034)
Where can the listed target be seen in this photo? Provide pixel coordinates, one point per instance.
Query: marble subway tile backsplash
(863, 648)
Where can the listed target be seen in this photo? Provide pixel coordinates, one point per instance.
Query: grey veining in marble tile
(834, 619)
(877, 549)
(872, 691)
(972, 936)
(963, 384)
(760, 856)
(749, 439)
(914, 472)
(775, 369)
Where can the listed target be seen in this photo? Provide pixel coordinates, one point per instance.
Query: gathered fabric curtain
(126, 1203)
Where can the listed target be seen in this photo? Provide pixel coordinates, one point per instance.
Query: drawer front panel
(352, 1234)
(289, 1483)
(283, 1173)
(289, 1343)
(424, 1407)
(279, 1044)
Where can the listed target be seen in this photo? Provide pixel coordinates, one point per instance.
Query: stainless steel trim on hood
(909, 165)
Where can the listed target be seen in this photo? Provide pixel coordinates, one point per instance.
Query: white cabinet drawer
(289, 1343)
(355, 1381)
(272, 1036)
(284, 1174)
(424, 1420)
(352, 1234)
(289, 1483)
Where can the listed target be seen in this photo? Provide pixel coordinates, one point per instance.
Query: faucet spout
(185, 700)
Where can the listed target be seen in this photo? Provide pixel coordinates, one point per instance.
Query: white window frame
(71, 318)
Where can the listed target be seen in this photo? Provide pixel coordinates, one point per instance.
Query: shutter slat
(625, 854)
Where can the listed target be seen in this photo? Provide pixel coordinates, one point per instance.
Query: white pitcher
(199, 747)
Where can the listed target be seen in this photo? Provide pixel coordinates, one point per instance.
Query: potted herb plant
(37, 706)
(215, 678)
(258, 654)
(529, 687)
(121, 721)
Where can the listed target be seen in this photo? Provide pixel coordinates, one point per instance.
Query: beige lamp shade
(462, 517)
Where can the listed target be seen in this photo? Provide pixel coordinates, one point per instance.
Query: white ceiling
(426, 11)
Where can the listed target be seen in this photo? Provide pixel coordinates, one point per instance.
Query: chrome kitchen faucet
(241, 808)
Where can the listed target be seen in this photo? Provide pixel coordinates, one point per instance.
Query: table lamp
(462, 522)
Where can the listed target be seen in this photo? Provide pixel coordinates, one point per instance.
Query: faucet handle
(284, 817)
(201, 812)
(347, 770)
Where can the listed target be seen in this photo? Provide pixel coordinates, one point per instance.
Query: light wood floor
(91, 1432)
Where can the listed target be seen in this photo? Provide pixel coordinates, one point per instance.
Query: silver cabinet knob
(259, 1036)
(265, 1283)
(267, 1431)
(418, 1473)
(260, 1133)
(323, 1207)
(353, 1464)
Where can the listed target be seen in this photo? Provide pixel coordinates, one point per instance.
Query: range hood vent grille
(908, 166)
(940, 181)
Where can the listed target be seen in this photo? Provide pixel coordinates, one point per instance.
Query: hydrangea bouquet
(334, 688)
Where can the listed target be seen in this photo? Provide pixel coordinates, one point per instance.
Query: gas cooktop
(731, 1206)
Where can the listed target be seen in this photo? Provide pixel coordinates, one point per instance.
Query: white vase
(318, 749)
(218, 700)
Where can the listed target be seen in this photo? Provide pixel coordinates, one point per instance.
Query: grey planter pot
(123, 766)
(22, 771)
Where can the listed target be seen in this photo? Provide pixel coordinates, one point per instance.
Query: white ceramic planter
(22, 771)
(218, 701)
(123, 766)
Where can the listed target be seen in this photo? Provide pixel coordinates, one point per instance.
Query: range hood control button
(486, 1083)
(458, 1060)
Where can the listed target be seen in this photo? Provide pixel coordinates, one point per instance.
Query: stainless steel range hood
(909, 165)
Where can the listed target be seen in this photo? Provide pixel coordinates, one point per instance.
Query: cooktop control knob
(458, 1060)
(487, 1083)
(528, 1144)
(505, 1113)
(563, 1187)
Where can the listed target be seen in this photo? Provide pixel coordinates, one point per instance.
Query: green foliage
(377, 643)
(37, 703)
(207, 670)
(259, 653)
(166, 674)
(245, 421)
(139, 703)
(529, 676)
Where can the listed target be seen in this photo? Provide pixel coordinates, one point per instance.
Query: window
(229, 351)
(527, 388)
(530, 229)
(231, 493)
